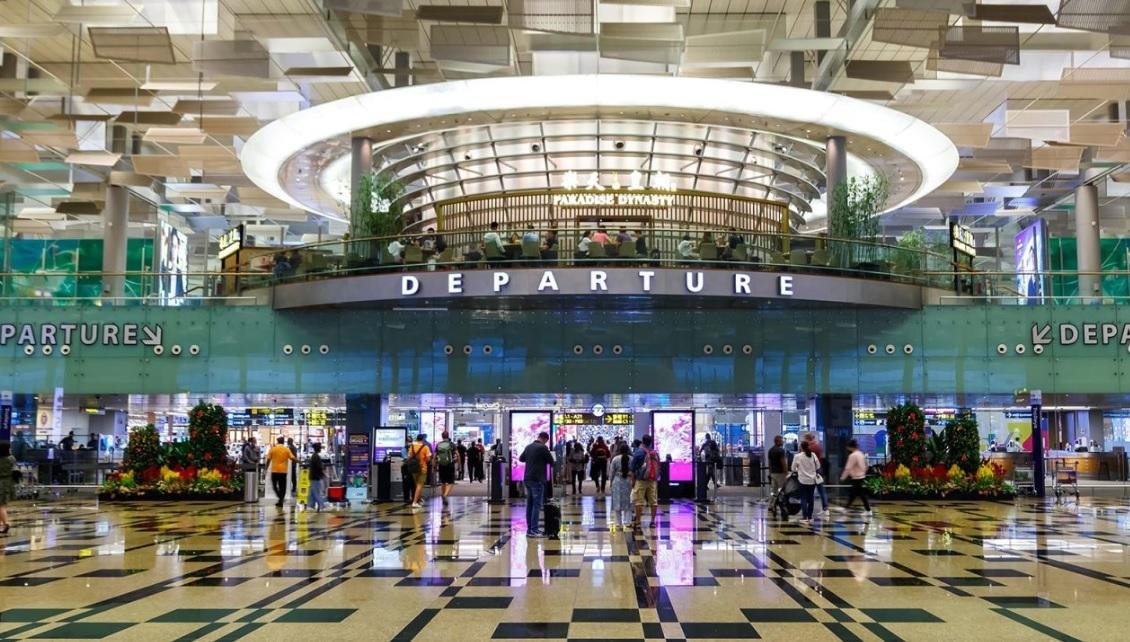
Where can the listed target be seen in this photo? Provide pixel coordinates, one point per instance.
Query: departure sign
(315, 417)
(589, 419)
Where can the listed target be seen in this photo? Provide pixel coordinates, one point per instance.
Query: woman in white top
(807, 468)
(620, 473)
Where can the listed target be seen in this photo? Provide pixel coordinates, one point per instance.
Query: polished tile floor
(914, 571)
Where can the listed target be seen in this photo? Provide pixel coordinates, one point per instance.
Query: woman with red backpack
(645, 485)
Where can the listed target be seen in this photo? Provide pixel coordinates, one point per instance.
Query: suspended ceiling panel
(880, 70)
(1059, 158)
(970, 67)
(1036, 14)
(742, 48)
(1111, 16)
(134, 44)
(231, 58)
(997, 45)
(555, 16)
(908, 27)
(471, 44)
(967, 134)
(486, 15)
(372, 7)
(1096, 134)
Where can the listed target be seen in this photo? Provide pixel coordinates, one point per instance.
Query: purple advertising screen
(674, 435)
(1031, 262)
(524, 428)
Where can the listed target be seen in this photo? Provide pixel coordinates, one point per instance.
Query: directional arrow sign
(1041, 335)
(153, 335)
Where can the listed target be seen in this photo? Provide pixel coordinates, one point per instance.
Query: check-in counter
(1106, 466)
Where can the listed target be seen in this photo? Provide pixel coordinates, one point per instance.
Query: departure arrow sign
(152, 335)
(1040, 334)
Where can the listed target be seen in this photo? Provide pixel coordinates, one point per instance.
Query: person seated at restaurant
(396, 250)
(531, 235)
(601, 236)
(1094, 447)
(733, 240)
(641, 243)
(492, 238)
(549, 246)
(472, 254)
(708, 237)
(623, 237)
(281, 266)
(686, 248)
(433, 241)
(583, 245)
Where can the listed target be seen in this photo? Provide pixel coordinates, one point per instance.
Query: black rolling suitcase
(552, 520)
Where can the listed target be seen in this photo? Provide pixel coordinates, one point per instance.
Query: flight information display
(589, 419)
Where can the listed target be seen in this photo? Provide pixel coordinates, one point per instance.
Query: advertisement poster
(674, 436)
(172, 265)
(433, 424)
(524, 429)
(388, 440)
(359, 462)
(1031, 262)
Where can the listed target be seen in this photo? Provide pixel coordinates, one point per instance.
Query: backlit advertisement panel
(524, 428)
(674, 435)
(1031, 262)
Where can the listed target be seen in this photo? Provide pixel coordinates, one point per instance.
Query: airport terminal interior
(564, 319)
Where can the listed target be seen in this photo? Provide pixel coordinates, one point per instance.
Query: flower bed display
(194, 469)
(898, 481)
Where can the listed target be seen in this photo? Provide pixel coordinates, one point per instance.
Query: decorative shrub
(936, 481)
(906, 434)
(143, 450)
(207, 435)
(963, 443)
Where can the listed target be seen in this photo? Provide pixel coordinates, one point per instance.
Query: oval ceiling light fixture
(702, 101)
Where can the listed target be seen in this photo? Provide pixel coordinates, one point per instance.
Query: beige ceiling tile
(1061, 158)
(160, 165)
(33, 30)
(95, 158)
(174, 135)
(134, 44)
(17, 151)
(61, 138)
(229, 125)
(967, 134)
(258, 198)
(217, 107)
(1097, 134)
(130, 179)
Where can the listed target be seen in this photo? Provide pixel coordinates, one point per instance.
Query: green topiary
(207, 436)
(143, 451)
(963, 443)
(906, 435)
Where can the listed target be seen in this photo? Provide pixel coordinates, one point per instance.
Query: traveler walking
(818, 451)
(806, 465)
(599, 455)
(279, 458)
(8, 475)
(577, 461)
(645, 473)
(293, 466)
(620, 470)
(537, 458)
(416, 465)
(855, 471)
(711, 456)
(316, 498)
(446, 456)
(778, 465)
(462, 464)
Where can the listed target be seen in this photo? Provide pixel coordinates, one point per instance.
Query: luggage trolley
(1024, 480)
(28, 485)
(1065, 480)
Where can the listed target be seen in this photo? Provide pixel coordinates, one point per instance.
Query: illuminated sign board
(589, 192)
(961, 239)
(589, 419)
(230, 242)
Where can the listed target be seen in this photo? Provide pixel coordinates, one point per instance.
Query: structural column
(832, 416)
(115, 228)
(835, 163)
(361, 166)
(1087, 250)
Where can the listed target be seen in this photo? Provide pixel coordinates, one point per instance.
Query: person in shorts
(447, 456)
(645, 483)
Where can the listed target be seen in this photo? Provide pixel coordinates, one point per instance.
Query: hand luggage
(552, 520)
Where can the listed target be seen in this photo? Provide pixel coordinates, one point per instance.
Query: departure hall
(564, 319)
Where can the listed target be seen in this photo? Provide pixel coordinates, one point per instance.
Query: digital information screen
(524, 428)
(386, 440)
(674, 435)
(589, 419)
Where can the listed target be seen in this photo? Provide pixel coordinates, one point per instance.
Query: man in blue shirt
(537, 458)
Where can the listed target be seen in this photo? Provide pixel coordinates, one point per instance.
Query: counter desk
(1104, 466)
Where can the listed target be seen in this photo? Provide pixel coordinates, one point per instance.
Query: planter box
(155, 496)
(963, 497)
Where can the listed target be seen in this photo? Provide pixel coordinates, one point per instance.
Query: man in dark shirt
(537, 458)
(778, 464)
(462, 467)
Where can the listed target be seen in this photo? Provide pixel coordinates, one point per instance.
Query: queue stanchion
(701, 485)
(664, 482)
(250, 484)
(496, 481)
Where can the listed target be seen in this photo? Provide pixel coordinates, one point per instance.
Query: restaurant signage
(230, 242)
(589, 192)
(88, 334)
(961, 239)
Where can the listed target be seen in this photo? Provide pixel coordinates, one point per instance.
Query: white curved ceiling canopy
(698, 100)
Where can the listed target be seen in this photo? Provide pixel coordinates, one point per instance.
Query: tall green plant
(911, 247)
(852, 211)
(963, 443)
(906, 435)
(377, 210)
